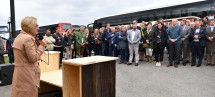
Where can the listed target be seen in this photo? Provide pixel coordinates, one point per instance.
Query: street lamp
(9, 21)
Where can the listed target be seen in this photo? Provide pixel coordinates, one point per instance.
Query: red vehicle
(63, 26)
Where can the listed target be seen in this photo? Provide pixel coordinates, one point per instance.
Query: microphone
(40, 37)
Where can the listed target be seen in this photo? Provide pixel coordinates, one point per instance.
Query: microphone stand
(48, 58)
(48, 55)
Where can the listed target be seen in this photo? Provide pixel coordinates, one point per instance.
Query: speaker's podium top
(88, 60)
(51, 52)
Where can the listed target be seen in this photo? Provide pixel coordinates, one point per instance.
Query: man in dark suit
(105, 39)
(112, 37)
(198, 42)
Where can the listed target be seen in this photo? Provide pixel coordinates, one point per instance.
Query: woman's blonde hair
(28, 24)
(67, 32)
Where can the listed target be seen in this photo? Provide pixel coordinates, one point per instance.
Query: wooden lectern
(52, 59)
(89, 77)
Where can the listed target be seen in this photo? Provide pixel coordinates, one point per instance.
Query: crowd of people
(131, 43)
(185, 42)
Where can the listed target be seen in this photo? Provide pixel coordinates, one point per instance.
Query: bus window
(3, 29)
(4, 33)
(64, 26)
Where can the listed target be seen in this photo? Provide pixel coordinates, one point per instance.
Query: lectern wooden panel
(51, 63)
(50, 81)
(89, 77)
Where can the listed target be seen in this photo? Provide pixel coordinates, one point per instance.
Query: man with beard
(49, 40)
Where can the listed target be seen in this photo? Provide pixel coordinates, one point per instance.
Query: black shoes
(193, 65)
(184, 63)
(198, 65)
(129, 63)
(176, 65)
(136, 64)
(169, 65)
(208, 64)
(187, 61)
(120, 62)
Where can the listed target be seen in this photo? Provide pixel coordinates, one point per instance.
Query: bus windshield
(66, 26)
(3, 29)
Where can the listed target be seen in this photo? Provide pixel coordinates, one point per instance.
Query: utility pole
(13, 23)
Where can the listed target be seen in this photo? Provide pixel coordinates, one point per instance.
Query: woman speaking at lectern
(27, 52)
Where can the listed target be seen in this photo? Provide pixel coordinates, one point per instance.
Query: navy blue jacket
(113, 39)
(105, 36)
(202, 35)
(122, 40)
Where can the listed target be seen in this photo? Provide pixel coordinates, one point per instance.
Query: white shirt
(212, 28)
(132, 35)
(197, 32)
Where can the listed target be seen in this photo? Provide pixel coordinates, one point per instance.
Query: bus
(199, 9)
(4, 32)
(63, 26)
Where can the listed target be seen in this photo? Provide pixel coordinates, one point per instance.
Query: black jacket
(202, 35)
(163, 38)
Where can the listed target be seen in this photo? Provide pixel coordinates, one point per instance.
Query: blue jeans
(111, 50)
(124, 55)
(100, 50)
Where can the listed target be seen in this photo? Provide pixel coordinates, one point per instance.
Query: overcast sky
(81, 12)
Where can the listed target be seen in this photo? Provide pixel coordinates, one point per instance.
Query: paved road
(146, 80)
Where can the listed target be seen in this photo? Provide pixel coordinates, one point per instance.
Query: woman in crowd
(90, 43)
(73, 45)
(159, 39)
(141, 48)
(206, 21)
(27, 53)
(97, 42)
(67, 41)
(148, 41)
(101, 31)
(86, 51)
(123, 46)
